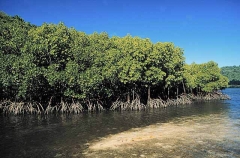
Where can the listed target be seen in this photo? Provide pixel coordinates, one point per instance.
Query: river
(203, 129)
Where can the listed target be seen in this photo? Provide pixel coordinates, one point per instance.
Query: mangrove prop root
(17, 108)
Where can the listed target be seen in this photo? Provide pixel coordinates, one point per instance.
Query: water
(210, 129)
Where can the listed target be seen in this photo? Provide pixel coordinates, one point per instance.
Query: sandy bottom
(206, 136)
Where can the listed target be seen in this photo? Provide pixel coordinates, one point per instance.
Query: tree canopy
(54, 61)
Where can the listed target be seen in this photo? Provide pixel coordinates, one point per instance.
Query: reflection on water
(204, 129)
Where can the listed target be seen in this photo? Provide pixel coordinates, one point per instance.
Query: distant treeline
(233, 74)
(57, 63)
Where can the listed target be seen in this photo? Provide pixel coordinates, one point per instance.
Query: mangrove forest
(53, 68)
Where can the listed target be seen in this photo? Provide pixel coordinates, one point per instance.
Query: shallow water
(209, 129)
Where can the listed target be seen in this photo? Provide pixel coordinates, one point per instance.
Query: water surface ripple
(209, 129)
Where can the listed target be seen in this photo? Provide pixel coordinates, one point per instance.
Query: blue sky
(205, 29)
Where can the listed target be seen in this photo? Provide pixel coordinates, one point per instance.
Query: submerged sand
(196, 136)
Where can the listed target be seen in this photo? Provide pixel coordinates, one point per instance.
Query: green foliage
(205, 77)
(172, 61)
(232, 73)
(53, 62)
(13, 36)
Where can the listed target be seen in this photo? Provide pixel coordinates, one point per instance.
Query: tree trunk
(133, 95)
(184, 90)
(149, 93)
(168, 93)
(128, 97)
(177, 92)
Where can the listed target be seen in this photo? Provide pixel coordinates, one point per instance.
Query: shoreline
(20, 108)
